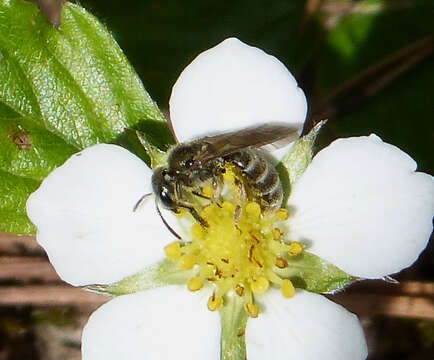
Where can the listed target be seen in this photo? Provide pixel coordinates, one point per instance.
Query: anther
(277, 234)
(173, 251)
(253, 209)
(215, 302)
(260, 286)
(239, 290)
(287, 289)
(186, 262)
(195, 284)
(282, 214)
(295, 248)
(251, 309)
(281, 263)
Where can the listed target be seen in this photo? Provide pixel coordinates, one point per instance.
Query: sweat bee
(191, 164)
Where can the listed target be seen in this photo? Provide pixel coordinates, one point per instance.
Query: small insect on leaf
(22, 140)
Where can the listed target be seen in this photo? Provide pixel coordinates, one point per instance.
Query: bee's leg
(178, 190)
(197, 193)
(237, 217)
(241, 189)
(217, 185)
(193, 213)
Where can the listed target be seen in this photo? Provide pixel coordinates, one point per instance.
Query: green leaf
(309, 272)
(233, 320)
(14, 191)
(61, 90)
(166, 272)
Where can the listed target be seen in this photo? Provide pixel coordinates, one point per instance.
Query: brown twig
(370, 81)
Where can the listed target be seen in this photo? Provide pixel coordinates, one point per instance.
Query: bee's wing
(257, 136)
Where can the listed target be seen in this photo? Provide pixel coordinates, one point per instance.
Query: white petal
(306, 327)
(234, 86)
(363, 207)
(164, 323)
(85, 219)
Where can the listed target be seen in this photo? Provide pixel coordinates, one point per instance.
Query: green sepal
(166, 272)
(310, 272)
(300, 155)
(157, 157)
(233, 321)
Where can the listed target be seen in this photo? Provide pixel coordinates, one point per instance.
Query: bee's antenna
(140, 201)
(165, 222)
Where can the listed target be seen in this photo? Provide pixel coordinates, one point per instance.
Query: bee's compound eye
(166, 198)
(188, 163)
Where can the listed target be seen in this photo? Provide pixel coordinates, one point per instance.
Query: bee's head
(163, 185)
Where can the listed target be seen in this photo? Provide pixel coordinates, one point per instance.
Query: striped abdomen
(261, 177)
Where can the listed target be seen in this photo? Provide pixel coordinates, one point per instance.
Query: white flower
(360, 204)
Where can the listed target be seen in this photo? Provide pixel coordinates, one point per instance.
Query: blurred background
(367, 66)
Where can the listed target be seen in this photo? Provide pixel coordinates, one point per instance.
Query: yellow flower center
(238, 251)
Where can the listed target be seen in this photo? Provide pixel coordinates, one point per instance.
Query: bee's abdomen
(261, 176)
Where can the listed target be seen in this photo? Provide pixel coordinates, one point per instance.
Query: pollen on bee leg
(195, 284)
(181, 213)
(208, 191)
(295, 248)
(173, 250)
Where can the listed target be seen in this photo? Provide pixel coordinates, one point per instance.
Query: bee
(191, 164)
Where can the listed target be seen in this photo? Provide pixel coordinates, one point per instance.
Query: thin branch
(370, 81)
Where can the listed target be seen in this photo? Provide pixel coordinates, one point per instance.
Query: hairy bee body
(261, 177)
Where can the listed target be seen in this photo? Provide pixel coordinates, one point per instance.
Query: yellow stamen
(239, 289)
(277, 234)
(287, 288)
(197, 231)
(295, 248)
(228, 206)
(282, 214)
(251, 309)
(173, 251)
(215, 302)
(195, 284)
(260, 286)
(240, 248)
(281, 263)
(253, 209)
(186, 262)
